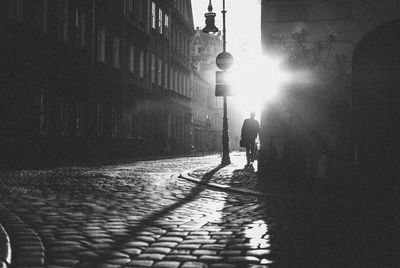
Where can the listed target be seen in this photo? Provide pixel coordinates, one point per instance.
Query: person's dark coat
(250, 129)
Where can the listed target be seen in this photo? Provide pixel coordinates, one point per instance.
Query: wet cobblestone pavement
(131, 215)
(142, 214)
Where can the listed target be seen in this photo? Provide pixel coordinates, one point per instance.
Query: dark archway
(376, 100)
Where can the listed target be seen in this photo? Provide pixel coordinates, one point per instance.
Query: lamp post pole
(224, 61)
(226, 160)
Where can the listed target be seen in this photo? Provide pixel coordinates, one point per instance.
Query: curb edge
(5, 248)
(21, 233)
(220, 187)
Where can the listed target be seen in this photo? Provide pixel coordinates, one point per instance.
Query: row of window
(39, 15)
(160, 22)
(159, 19)
(182, 7)
(178, 80)
(135, 10)
(210, 48)
(180, 43)
(199, 90)
(134, 65)
(199, 114)
(71, 117)
(152, 126)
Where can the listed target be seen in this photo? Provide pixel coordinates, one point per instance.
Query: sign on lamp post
(224, 61)
(223, 85)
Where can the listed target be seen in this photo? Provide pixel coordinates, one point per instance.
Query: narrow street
(142, 214)
(131, 215)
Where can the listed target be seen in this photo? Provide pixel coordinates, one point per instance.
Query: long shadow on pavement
(150, 220)
(196, 190)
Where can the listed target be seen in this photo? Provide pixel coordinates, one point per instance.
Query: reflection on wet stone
(99, 219)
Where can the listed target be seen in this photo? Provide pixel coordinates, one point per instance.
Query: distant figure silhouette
(250, 131)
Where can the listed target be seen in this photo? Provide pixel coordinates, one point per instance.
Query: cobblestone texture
(142, 215)
(131, 215)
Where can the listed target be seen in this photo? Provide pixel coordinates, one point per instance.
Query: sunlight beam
(256, 80)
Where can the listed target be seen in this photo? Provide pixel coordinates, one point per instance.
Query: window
(187, 47)
(141, 123)
(101, 46)
(187, 86)
(45, 8)
(153, 15)
(183, 45)
(130, 6)
(80, 26)
(64, 21)
(181, 83)
(135, 128)
(77, 18)
(184, 84)
(113, 121)
(64, 118)
(173, 36)
(181, 80)
(178, 41)
(171, 78)
(116, 52)
(343, 9)
(166, 21)
(159, 72)
(176, 81)
(140, 10)
(165, 75)
(185, 10)
(132, 59)
(79, 119)
(160, 22)
(17, 9)
(141, 64)
(44, 114)
(99, 118)
(132, 124)
(153, 68)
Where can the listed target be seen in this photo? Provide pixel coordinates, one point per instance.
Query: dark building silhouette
(344, 118)
(94, 79)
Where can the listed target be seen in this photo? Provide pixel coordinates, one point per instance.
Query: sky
(242, 21)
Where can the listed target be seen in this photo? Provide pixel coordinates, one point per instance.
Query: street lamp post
(210, 28)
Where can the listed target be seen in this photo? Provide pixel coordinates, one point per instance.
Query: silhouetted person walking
(250, 131)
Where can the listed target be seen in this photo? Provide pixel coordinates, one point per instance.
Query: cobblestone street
(142, 214)
(131, 215)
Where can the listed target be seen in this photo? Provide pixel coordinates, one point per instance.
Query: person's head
(252, 114)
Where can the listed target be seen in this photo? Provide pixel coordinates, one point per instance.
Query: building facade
(207, 108)
(94, 79)
(338, 113)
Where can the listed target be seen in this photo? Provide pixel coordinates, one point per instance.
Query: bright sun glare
(256, 80)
